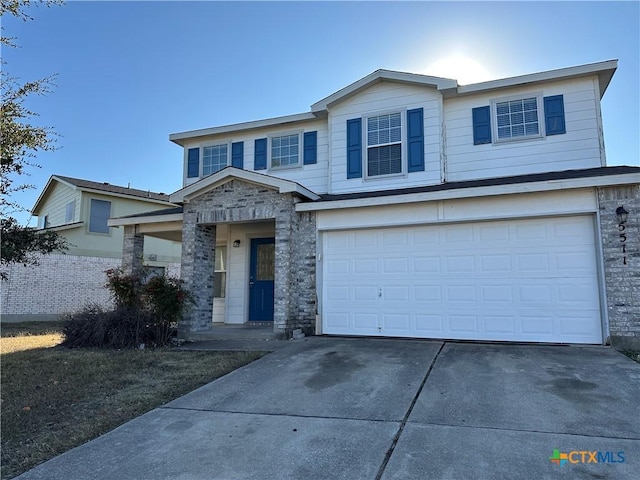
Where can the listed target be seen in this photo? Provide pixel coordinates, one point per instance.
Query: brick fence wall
(59, 284)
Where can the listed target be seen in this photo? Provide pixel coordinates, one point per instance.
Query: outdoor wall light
(236, 243)
(622, 215)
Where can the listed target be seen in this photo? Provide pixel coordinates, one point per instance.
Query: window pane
(384, 129)
(517, 118)
(532, 129)
(70, 211)
(384, 160)
(266, 261)
(100, 212)
(214, 158)
(285, 150)
(219, 284)
(221, 259)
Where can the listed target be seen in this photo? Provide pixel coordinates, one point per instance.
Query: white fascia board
(470, 192)
(604, 70)
(122, 221)
(380, 75)
(237, 127)
(229, 173)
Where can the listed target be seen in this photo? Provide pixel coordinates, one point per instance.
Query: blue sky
(131, 73)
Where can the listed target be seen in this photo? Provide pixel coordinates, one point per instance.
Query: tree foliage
(20, 143)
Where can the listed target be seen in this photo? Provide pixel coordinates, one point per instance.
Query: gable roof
(229, 173)
(103, 188)
(380, 76)
(448, 87)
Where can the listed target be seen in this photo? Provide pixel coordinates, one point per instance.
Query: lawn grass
(54, 399)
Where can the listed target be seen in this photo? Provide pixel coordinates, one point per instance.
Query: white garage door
(521, 280)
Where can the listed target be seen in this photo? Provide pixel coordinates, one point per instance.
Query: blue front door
(261, 274)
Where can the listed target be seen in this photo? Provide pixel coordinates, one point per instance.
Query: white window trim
(201, 173)
(403, 144)
(300, 150)
(494, 118)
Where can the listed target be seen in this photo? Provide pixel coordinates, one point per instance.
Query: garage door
(520, 280)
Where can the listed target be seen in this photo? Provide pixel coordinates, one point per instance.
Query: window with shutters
(518, 118)
(214, 158)
(384, 135)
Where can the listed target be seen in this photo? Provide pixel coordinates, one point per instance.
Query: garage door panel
(529, 280)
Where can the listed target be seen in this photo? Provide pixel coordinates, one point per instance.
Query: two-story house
(407, 205)
(78, 210)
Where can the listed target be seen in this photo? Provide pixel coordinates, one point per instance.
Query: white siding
(238, 267)
(578, 148)
(385, 97)
(314, 177)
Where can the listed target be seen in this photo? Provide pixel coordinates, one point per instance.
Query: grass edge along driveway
(54, 399)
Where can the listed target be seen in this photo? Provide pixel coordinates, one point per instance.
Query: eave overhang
(230, 173)
(440, 192)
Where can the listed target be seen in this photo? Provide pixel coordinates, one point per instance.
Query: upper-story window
(99, 214)
(384, 144)
(70, 211)
(517, 118)
(285, 151)
(214, 158)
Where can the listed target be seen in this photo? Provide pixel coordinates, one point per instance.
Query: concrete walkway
(386, 408)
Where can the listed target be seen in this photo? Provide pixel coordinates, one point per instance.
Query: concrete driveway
(357, 408)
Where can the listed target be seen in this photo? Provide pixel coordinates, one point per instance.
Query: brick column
(132, 249)
(295, 272)
(621, 264)
(198, 263)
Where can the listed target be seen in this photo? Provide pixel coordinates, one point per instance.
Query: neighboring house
(407, 205)
(78, 210)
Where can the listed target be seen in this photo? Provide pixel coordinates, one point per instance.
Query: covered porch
(248, 257)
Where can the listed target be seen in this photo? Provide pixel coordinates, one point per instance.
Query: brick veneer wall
(622, 281)
(59, 284)
(295, 246)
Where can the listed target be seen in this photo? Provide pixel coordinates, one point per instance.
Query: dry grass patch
(54, 399)
(18, 344)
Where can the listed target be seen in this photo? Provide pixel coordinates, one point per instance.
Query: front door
(261, 274)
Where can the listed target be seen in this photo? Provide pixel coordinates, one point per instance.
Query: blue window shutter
(554, 115)
(237, 154)
(481, 125)
(354, 148)
(310, 148)
(260, 160)
(415, 139)
(193, 163)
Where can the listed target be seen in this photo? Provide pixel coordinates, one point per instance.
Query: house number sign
(623, 242)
